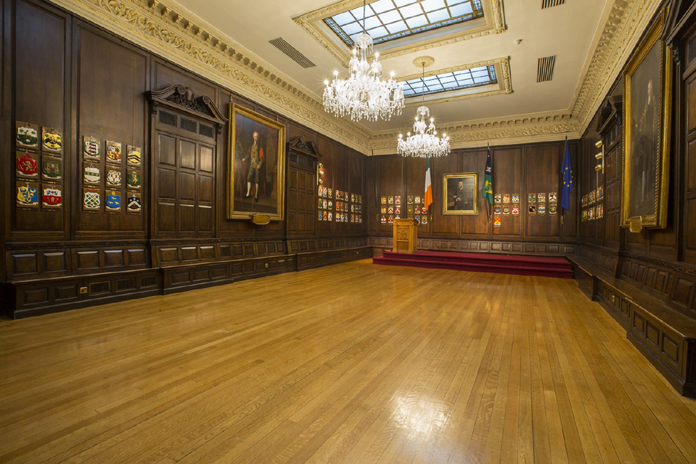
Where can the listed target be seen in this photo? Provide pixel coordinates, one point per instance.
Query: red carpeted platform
(481, 262)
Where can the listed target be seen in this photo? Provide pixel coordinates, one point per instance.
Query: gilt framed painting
(256, 166)
(647, 124)
(460, 194)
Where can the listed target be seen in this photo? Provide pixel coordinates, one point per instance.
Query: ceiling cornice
(163, 28)
(624, 26)
(176, 34)
(627, 19)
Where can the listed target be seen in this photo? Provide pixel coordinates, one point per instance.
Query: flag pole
(563, 191)
(563, 209)
(488, 205)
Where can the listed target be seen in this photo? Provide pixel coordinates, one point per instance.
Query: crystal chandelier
(364, 95)
(424, 142)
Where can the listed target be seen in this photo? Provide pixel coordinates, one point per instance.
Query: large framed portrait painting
(256, 166)
(460, 194)
(647, 114)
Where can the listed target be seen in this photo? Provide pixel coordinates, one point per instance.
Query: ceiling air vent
(545, 68)
(550, 3)
(292, 52)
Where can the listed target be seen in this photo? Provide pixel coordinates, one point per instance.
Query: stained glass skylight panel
(393, 19)
(474, 77)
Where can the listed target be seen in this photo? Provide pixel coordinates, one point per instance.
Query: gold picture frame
(460, 194)
(256, 166)
(647, 130)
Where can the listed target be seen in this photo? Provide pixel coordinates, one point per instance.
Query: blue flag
(567, 175)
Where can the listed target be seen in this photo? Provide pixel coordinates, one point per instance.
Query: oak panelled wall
(61, 72)
(647, 280)
(521, 169)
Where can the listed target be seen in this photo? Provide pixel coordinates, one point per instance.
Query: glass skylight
(446, 82)
(392, 19)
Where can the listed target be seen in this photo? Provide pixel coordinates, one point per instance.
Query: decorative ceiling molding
(493, 22)
(166, 31)
(163, 28)
(625, 24)
(503, 87)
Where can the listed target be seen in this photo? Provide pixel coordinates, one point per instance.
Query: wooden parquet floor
(352, 363)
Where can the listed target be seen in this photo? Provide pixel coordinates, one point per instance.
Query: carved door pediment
(182, 99)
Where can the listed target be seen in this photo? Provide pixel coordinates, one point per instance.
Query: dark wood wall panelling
(62, 72)
(42, 85)
(6, 92)
(523, 169)
(647, 280)
(688, 166)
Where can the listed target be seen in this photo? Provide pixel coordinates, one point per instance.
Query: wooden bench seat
(666, 337)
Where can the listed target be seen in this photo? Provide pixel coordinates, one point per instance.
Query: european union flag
(567, 174)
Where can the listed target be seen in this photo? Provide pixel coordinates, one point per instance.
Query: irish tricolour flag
(428, 197)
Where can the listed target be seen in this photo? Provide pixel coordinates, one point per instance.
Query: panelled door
(184, 166)
(301, 206)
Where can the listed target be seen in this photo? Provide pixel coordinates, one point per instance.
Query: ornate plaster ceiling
(227, 41)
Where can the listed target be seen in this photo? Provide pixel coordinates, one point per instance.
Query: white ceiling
(568, 31)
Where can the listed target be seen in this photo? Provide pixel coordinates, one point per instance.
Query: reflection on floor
(353, 363)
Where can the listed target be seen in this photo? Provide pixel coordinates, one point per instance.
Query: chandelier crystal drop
(424, 142)
(364, 95)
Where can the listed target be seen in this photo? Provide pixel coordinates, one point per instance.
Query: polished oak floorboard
(352, 363)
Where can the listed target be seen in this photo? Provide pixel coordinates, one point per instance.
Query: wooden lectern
(405, 236)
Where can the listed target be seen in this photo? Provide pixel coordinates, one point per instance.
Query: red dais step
(480, 262)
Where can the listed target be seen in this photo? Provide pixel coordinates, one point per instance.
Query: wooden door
(302, 196)
(184, 165)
